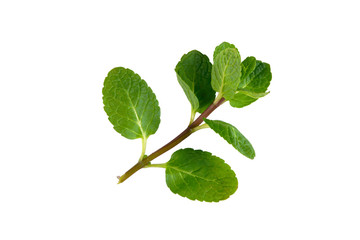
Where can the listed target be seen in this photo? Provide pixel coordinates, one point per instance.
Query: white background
(59, 155)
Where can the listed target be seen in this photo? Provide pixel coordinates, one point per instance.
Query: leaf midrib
(190, 174)
(134, 109)
(223, 76)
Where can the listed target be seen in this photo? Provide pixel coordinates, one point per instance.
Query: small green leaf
(194, 76)
(232, 136)
(226, 72)
(253, 86)
(198, 175)
(130, 103)
(222, 47)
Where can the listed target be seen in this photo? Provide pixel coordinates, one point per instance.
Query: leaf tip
(252, 155)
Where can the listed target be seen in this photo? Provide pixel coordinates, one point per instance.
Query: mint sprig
(134, 111)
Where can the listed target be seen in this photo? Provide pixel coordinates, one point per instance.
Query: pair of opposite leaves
(134, 111)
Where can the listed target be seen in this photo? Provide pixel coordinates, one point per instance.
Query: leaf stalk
(218, 98)
(192, 117)
(203, 126)
(143, 149)
(158, 165)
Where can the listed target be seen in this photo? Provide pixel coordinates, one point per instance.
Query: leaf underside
(194, 76)
(130, 103)
(198, 175)
(233, 136)
(226, 72)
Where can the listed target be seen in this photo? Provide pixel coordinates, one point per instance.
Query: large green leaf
(232, 136)
(130, 104)
(222, 47)
(194, 76)
(253, 86)
(198, 175)
(226, 72)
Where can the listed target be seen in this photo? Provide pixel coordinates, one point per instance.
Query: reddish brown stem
(184, 134)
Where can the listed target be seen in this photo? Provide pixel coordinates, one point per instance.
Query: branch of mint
(134, 111)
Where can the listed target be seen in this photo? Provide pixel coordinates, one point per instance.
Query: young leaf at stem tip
(130, 103)
(232, 135)
(198, 175)
(226, 72)
(194, 75)
(222, 47)
(254, 85)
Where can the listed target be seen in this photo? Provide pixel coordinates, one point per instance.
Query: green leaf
(253, 86)
(222, 47)
(241, 100)
(130, 103)
(226, 72)
(194, 76)
(247, 67)
(259, 79)
(232, 136)
(198, 175)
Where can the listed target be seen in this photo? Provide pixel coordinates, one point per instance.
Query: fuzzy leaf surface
(233, 136)
(198, 175)
(226, 72)
(253, 86)
(194, 76)
(130, 103)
